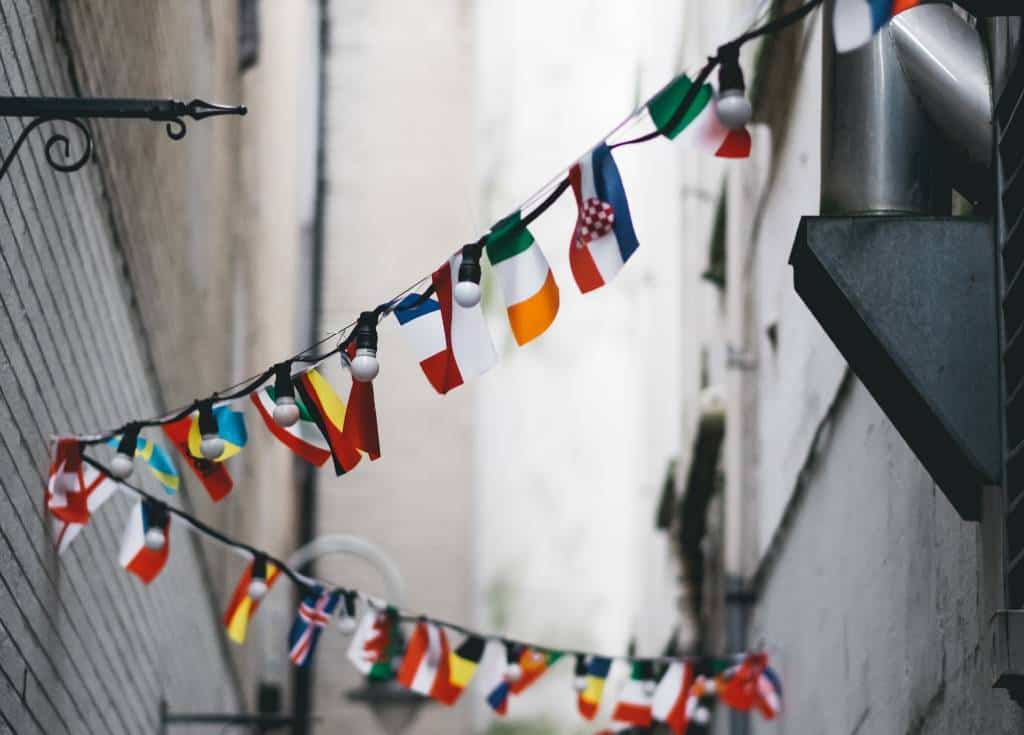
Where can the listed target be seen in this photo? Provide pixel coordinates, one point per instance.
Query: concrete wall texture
(93, 266)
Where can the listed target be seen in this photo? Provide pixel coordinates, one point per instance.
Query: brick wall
(116, 300)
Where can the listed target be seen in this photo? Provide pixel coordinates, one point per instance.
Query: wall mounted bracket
(74, 111)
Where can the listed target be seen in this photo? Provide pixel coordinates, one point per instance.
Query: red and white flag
(425, 666)
(135, 556)
(669, 705)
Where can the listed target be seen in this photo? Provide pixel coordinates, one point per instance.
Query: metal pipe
(878, 145)
(943, 60)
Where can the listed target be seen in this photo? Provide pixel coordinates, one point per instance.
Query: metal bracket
(261, 722)
(74, 111)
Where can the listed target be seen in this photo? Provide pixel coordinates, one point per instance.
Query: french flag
(856, 22)
(603, 239)
(451, 342)
(142, 561)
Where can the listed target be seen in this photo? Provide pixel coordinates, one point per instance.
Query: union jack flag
(312, 616)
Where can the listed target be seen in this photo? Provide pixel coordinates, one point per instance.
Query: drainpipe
(305, 472)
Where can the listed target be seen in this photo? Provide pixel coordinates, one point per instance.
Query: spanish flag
(242, 607)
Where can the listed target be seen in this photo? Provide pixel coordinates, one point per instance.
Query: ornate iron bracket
(74, 110)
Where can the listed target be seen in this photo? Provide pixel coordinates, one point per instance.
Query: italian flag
(700, 122)
(303, 437)
(634, 706)
(529, 288)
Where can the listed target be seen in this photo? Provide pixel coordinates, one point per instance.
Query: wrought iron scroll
(74, 111)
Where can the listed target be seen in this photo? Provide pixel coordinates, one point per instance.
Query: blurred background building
(684, 463)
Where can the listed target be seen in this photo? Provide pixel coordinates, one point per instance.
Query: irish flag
(450, 341)
(669, 705)
(634, 706)
(303, 437)
(700, 122)
(425, 663)
(603, 238)
(529, 288)
(135, 556)
(856, 22)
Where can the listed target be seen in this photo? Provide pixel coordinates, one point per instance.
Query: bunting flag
(700, 121)
(855, 22)
(303, 437)
(159, 461)
(213, 475)
(230, 428)
(66, 476)
(425, 665)
(462, 664)
(312, 616)
(451, 342)
(634, 705)
(701, 687)
(669, 704)
(327, 411)
(241, 607)
(533, 663)
(589, 700)
(529, 288)
(135, 556)
(377, 643)
(68, 519)
(748, 685)
(603, 238)
(361, 416)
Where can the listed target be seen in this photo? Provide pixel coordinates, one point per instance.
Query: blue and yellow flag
(230, 428)
(159, 462)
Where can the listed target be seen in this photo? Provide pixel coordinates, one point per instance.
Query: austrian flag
(603, 239)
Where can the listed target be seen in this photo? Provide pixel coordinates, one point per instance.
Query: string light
(286, 410)
(122, 463)
(733, 108)
(513, 671)
(467, 290)
(155, 519)
(365, 365)
(258, 578)
(347, 613)
(579, 679)
(211, 445)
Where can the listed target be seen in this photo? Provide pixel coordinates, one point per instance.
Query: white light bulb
(257, 589)
(155, 539)
(579, 683)
(365, 365)
(211, 447)
(702, 716)
(733, 108)
(286, 412)
(121, 466)
(346, 624)
(514, 672)
(467, 294)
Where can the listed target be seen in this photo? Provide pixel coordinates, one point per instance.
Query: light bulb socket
(469, 269)
(730, 73)
(259, 567)
(366, 331)
(129, 441)
(283, 387)
(207, 419)
(155, 521)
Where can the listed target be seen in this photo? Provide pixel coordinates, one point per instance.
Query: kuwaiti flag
(328, 411)
(634, 705)
(603, 238)
(529, 288)
(213, 475)
(159, 461)
(135, 556)
(425, 665)
(67, 520)
(669, 704)
(377, 641)
(589, 700)
(451, 342)
(462, 665)
(855, 22)
(311, 618)
(700, 123)
(241, 608)
(303, 437)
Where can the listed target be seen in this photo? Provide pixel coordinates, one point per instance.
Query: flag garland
(661, 689)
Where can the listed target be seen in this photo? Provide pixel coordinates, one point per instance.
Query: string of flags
(444, 325)
(434, 658)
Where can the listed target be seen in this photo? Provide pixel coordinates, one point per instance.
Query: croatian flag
(451, 342)
(856, 22)
(142, 561)
(312, 617)
(603, 239)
